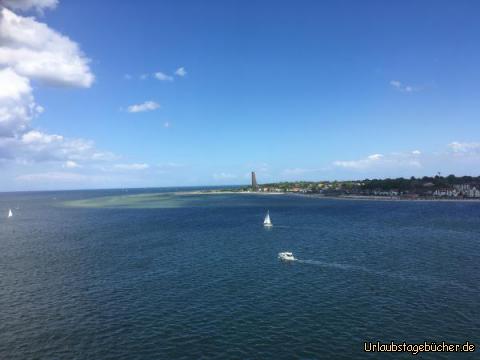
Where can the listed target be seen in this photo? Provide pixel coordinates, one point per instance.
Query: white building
(467, 190)
(446, 192)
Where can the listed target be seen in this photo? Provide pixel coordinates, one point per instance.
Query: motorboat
(286, 256)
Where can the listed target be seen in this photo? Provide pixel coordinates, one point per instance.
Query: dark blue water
(200, 279)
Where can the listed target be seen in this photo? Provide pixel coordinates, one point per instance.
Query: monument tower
(254, 182)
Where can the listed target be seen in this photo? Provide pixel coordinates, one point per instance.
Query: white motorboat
(286, 256)
(267, 222)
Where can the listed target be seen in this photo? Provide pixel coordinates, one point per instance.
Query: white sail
(267, 221)
(10, 214)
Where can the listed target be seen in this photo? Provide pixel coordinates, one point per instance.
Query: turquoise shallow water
(161, 276)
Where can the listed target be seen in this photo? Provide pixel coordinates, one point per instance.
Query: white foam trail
(396, 275)
(334, 265)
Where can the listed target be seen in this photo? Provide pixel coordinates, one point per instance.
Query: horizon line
(225, 185)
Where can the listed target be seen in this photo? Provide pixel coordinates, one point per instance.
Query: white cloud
(396, 83)
(146, 106)
(17, 108)
(464, 147)
(35, 51)
(459, 158)
(36, 137)
(403, 88)
(35, 146)
(104, 156)
(360, 164)
(375, 157)
(29, 4)
(166, 124)
(13, 87)
(70, 164)
(132, 166)
(17, 105)
(379, 161)
(181, 72)
(163, 77)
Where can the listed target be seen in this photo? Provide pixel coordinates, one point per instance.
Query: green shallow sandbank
(157, 200)
(151, 200)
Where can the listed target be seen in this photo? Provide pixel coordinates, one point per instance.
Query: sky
(113, 94)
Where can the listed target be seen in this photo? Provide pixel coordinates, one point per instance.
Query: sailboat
(10, 214)
(267, 222)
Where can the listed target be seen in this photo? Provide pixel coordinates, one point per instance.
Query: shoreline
(382, 198)
(228, 192)
(320, 196)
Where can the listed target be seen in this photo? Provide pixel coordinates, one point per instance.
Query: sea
(171, 274)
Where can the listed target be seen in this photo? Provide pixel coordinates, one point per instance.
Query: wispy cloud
(34, 146)
(162, 76)
(403, 87)
(464, 147)
(376, 161)
(181, 72)
(146, 106)
(134, 166)
(456, 158)
(70, 164)
(159, 75)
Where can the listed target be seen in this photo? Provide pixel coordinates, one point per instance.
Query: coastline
(228, 192)
(320, 196)
(381, 198)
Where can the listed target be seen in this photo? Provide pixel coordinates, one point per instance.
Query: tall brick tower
(254, 182)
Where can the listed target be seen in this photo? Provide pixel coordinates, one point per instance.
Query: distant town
(436, 187)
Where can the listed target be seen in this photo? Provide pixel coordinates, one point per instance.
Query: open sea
(147, 274)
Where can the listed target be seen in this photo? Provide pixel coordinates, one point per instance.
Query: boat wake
(394, 275)
(334, 265)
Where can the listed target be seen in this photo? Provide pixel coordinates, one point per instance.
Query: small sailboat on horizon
(10, 214)
(267, 222)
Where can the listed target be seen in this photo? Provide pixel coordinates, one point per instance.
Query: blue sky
(294, 90)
